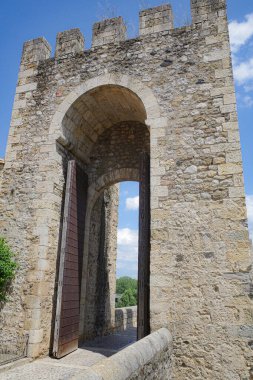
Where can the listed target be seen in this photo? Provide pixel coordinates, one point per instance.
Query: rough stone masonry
(174, 87)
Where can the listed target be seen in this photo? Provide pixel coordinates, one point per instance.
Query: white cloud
(127, 258)
(240, 32)
(249, 202)
(240, 35)
(243, 72)
(127, 254)
(247, 101)
(248, 87)
(128, 268)
(127, 237)
(132, 203)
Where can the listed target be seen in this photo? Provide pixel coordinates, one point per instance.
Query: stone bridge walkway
(65, 368)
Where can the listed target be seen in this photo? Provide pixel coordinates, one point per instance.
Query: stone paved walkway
(65, 368)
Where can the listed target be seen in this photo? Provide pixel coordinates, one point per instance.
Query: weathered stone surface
(1, 164)
(200, 244)
(148, 359)
(125, 317)
(70, 41)
(98, 299)
(108, 31)
(158, 19)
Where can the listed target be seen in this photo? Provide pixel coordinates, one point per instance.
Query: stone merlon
(70, 41)
(156, 19)
(107, 31)
(152, 20)
(203, 10)
(35, 50)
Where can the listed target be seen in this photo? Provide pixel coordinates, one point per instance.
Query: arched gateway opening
(104, 141)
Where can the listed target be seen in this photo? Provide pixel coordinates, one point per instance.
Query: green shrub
(7, 268)
(124, 283)
(129, 298)
(126, 287)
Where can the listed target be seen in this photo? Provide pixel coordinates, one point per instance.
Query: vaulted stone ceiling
(97, 110)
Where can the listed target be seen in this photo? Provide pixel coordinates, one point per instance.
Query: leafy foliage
(7, 268)
(129, 298)
(124, 283)
(127, 288)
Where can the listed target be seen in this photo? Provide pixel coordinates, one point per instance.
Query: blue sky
(27, 19)
(128, 229)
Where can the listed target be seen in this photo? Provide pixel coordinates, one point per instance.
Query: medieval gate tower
(84, 120)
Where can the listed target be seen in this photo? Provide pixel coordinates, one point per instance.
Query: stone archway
(143, 92)
(105, 132)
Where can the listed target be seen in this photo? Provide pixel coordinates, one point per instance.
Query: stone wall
(125, 317)
(158, 19)
(1, 167)
(98, 313)
(179, 83)
(89, 308)
(148, 359)
(108, 31)
(117, 146)
(111, 201)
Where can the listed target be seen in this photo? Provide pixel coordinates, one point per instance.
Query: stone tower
(169, 93)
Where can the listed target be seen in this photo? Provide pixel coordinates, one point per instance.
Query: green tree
(128, 298)
(124, 283)
(7, 268)
(127, 288)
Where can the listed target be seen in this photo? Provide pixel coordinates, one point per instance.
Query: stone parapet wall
(125, 318)
(147, 359)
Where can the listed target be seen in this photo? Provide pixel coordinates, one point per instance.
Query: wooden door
(144, 248)
(66, 332)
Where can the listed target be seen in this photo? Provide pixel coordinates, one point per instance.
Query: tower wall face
(99, 303)
(200, 250)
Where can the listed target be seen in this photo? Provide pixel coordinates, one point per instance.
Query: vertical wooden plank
(69, 280)
(144, 248)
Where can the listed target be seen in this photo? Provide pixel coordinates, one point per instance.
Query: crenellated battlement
(35, 50)
(152, 20)
(204, 10)
(158, 19)
(108, 31)
(69, 41)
